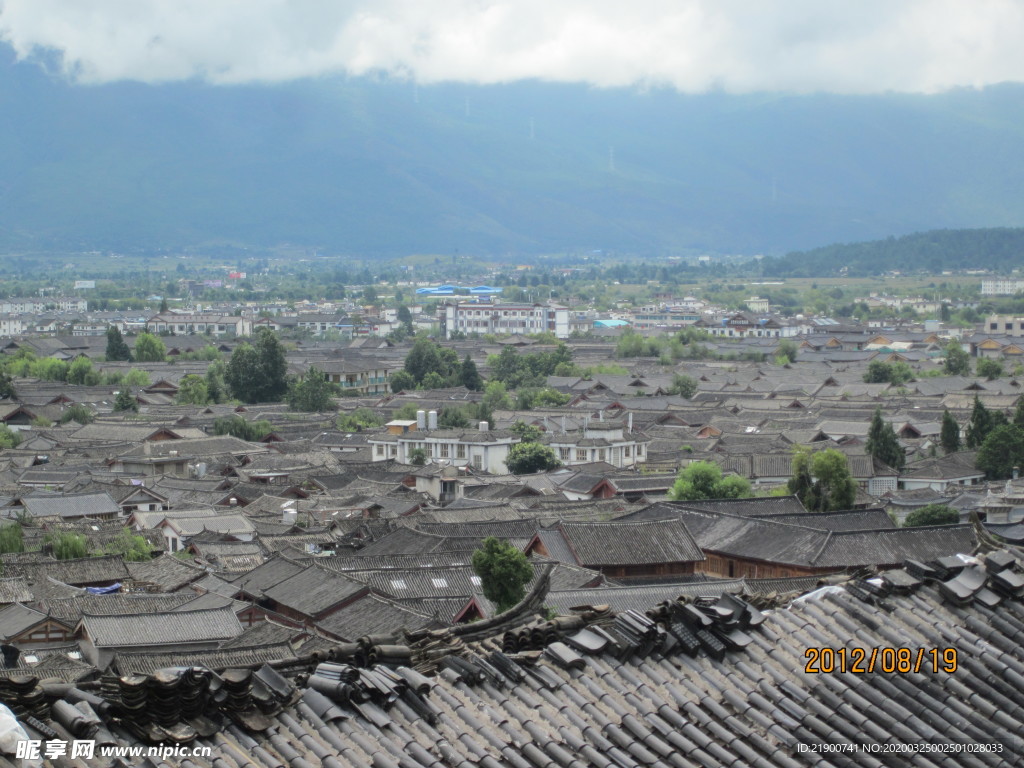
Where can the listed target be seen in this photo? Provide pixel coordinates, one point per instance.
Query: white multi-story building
(607, 441)
(483, 449)
(1001, 286)
(505, 319)
(197, 322)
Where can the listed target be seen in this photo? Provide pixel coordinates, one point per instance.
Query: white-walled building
(505, 319)
(607, 441)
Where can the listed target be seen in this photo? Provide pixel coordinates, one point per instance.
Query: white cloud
(692, 45)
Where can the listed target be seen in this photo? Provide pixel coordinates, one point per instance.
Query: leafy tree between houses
(117, 347)
(979, 425)
(452, 417)
(883, 444)
(125, 402)
(7, 391)
(236, 426)
(528, 458)
(311, 392)
(1001, 451)
(989, 368)
(949, 435)
(150, 349)
(529, 398)
(81, 372)
(11, 538)
(469, 376)
(684, 386)
(257, 373)
(822, 480)
(417, 457)
(932, 514)
(504, 572)
(134, 548)
(67, 545)
(1018, 413)
(78, 413)
(957, 361)
(880, 372)
(703, 480)
(192, 390)
(528, 433)
(402, 381)
(358, 420)
(787, 349)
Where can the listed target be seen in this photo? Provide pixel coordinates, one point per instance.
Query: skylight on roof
(439, 583)
(475, 581)
(398, 584)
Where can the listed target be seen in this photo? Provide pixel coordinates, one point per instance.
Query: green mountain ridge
(379, 167)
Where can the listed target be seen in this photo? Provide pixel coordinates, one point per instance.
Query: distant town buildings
(1002, 286)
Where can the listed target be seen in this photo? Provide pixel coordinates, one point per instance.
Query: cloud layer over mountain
(735, 46)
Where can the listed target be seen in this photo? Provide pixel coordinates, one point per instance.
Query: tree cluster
(703, 480)
(822, 480)
(504, 572)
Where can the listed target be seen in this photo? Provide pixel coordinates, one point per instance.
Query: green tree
(882, 443)
(117, 347)
(496, 397)
(425, 357)
(67, 545)
(528, 458)
(1001, 451)
(236, 426)
(822, 480)
(958, 361)
(402, 381)
(311, 392)
(684, 386)
(125, 401)
(452, 417)
(504, 572)
(164, 307)
(11, 538)
(405, 318)
(949, 436)
(134, 548)
(433, 380)
(932, 514)
(788, 349)
(879, 372)
(526, 432)
(8, 437)
(257, 373)
(417, 457)
(358, 420)
(470, 376)
(703, 480)
(7, 390)
(81, 372)
(544, 397)
(1018, 413)
(216, 386)
(150, 349)
(979, 425)
(989, 368)
(192, 390)
(77, 412)
(136, 377)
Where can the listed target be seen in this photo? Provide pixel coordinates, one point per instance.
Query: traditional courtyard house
(621, 549)
(21, 625)
(102, 637)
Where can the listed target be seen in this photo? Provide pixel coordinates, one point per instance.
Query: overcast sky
(841, 46)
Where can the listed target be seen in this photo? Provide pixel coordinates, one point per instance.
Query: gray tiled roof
(631, 543)
(128, 631)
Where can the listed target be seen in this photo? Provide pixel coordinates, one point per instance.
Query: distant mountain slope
(360, 166)
(997, 249)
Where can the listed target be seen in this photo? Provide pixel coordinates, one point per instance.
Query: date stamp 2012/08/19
(868, 660)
